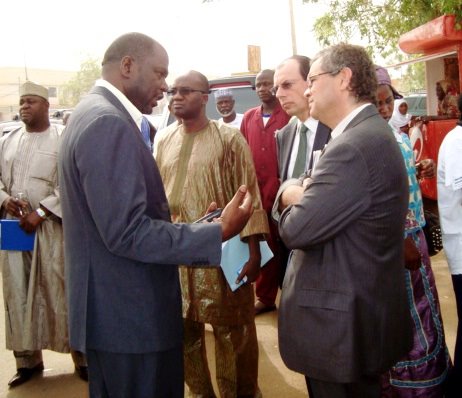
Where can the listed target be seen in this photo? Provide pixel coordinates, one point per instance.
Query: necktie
(300, 160)
(146, 132)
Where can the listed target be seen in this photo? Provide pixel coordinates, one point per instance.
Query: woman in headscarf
(400, 119)
(423, 372)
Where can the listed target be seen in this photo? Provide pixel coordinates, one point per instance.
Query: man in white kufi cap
(224, 99)
(33, 281)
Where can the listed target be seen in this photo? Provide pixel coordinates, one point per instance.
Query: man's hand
(290, 196)
(425, 168)
(30, 222)
(251, 268)
(236, 213)
(16, 208)
(212, 207)
(307, 182)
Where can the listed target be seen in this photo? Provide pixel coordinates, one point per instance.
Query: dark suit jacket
(343, 310)
(285, 140)
(121, 250)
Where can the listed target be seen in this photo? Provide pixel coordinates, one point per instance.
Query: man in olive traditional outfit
(199, 162)
(33, 281)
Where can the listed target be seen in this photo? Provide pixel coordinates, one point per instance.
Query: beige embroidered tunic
(197, 169)
(33, 282)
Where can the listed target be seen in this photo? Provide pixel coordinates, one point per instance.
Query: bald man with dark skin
(200, 160)
(263, 87)
(121, 250)
(259, 127)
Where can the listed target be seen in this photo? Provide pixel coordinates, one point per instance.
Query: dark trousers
(150, 375)
(366, 387)
(454, 383)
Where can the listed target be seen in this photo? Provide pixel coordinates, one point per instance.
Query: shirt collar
(312, 124)
(340, 128)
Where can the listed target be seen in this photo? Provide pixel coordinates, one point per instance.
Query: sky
(209, 37)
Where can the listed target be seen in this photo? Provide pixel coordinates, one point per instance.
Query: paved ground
(275, 379)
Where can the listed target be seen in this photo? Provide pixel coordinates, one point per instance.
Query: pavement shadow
(51, 386)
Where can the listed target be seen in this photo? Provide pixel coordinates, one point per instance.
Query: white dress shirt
(312, 125)
(449, 183)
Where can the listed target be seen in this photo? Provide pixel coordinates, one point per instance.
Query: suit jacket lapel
(288, 137)
(114, 101)
(366, 113)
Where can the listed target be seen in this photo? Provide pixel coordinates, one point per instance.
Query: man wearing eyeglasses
(343, 317)
(202, 161)
(304, 134)
(258, 126)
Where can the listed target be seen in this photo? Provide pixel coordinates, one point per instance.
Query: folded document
(235, 254)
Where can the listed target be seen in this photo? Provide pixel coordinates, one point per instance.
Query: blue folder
(12, 237)
(235, 254)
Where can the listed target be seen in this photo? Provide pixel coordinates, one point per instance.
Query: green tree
(77, 87)
(412, 79)
(379, 23)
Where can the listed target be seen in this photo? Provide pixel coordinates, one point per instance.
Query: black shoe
(25, 374)
(82, 371)
(261, 308)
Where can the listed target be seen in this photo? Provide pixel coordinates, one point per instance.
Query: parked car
(6, 127)
(417, 104)
(10, 125)
(57, 115)
(244, 94)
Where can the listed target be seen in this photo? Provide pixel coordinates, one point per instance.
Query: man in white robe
(33, 281)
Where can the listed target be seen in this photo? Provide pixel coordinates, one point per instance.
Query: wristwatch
(41, 213)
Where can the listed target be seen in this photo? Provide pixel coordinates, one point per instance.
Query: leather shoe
(25, 374)
(82, 372)
(261, 308)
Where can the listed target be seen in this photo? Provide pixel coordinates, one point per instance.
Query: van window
(244, 98)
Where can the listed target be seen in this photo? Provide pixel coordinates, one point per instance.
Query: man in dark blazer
(121, 250)
(290, 85)
(343, 316)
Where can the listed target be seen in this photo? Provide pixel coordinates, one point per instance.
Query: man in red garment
(259, 126)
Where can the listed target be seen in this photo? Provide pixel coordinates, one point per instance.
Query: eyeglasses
(317, 75)
(184, 91)
(287, 85)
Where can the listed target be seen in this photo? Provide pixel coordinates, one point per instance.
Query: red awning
(432, 37)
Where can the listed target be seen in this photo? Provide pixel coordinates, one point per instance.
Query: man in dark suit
(121, 250)
(303, 133)
(343, 314)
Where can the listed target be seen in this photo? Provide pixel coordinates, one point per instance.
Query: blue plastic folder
(234, 256)
(12, 237)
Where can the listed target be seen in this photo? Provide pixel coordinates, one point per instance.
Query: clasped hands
(293, 194)
(28, 220)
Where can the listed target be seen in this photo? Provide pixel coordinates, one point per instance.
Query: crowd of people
(123, 278)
